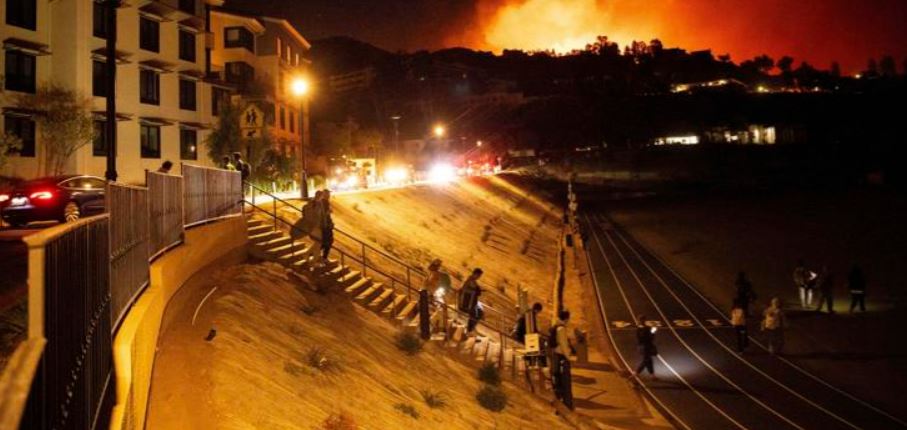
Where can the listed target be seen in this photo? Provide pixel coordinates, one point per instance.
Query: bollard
(424, 317)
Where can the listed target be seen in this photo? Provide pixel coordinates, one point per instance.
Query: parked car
(56, 198)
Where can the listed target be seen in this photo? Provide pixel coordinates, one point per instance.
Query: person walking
(311, 223)
(645, 344)
(745, 293)
(801, 279)
(561, 377)
(856, 283)
(469, 299)
(773, 324)
(526, 323)
(327, 225)
(826, 290)
(437, 284)
(738, 320)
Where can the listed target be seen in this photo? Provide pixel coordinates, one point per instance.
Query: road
(703, 383)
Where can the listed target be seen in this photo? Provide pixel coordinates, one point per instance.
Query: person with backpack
(738, 321)
(773, 324)
(245, 169)
(469, 299)
(327, 225)
(526, 323)
(645, 344)
(310, 225)
(561, 378)
(745, 293)
(856, 283)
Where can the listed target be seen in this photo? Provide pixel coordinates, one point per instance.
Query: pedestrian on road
(228, 164)
(469, 299)
(826, 290)
(745, 293)
(856, 282)
(645, 343)
(165, 167)
(804, 280)
(560, 372)
(327, 225)
(773, 324)
(738, 320)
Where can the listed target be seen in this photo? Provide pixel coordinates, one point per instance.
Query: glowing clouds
(560, 25)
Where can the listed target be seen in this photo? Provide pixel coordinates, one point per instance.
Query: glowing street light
(439, 131)
(300, 87)
(479, 143)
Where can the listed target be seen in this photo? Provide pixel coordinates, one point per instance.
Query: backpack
(245, 169)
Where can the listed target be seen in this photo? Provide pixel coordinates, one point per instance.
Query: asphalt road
(703, 383)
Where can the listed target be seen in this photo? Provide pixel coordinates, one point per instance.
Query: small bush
(407, 409)
(492, 398)
(433, 399)
(490, 374)
(317, 358)
(408, 342)
(341, 421)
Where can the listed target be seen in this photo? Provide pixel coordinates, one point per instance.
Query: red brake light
(41, 195)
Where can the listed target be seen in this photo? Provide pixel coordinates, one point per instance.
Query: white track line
(199, 307)
(784, 360)
(633, 315)
(689, 348)
(719, 342)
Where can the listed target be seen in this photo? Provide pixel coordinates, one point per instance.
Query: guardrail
(210, 194)
(165, 207)
(129, 241)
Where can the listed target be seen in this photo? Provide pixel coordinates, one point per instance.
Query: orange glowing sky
(819, 31)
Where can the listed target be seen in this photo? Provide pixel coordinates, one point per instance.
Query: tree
(655, 47)
(887, 66)
(226, 137)
(64, 121)
(9, 143)
(785, 64)
(835, 69)
(724, 58)
(603, 47)
(764, 64)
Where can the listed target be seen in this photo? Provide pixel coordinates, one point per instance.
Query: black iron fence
(165, 207)
(72, 388)
(210, 194)
(128, 208)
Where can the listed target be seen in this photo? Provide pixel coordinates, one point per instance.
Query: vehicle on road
(55, 198)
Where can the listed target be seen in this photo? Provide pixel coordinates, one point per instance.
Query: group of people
(808, 281)
(317, 222)
(236, 163)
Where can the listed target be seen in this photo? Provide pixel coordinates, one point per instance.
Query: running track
(703, 383)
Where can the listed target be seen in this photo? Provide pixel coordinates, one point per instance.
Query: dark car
(57, 198)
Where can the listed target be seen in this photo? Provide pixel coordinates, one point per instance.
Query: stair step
(358, 286)
(408, 309)
(394, 305)
(494, 353)
(261, 237)
(292, 256)
(258, 228)
(284, 249)
(252, 222)
(458, 332)
(350, 278)
(370, 293)
(274, 242)
(378, 302)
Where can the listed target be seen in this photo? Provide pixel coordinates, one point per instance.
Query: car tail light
(41, 195)
(4, 197)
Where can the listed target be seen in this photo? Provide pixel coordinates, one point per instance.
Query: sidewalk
(600, 391)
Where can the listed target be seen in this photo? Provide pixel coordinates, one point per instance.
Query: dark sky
(818, 31)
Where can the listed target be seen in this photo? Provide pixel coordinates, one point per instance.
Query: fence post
(274, 207)
(424, 317)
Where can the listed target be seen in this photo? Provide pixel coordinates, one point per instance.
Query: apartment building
(163, 99)
(259, 56)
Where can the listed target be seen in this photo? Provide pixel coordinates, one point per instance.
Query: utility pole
(110, 87)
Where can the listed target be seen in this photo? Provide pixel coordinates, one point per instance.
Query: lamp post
(301, 88)
(110, 88)
(396, 119)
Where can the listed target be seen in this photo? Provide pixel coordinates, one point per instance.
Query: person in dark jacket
(327, 225)
(521, 328)
(826, 290)
(245, 170)
(745, 293)
(469, 299)
(645, 343)
(857, 285)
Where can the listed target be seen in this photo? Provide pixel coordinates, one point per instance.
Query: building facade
(177, 60)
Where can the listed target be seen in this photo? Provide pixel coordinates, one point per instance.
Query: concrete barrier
(135, 343)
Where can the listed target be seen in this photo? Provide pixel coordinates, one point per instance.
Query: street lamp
(439, 131)
(301, 87)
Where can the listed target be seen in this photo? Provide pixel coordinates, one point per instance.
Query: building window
(22, 13)
(99, 16)
(24, 129)
(149, 34)
(187, 94)
(188, 148)
(187, 46)
(151, 141)
(187, 6)
(219, 96)
(20, 72)
(239, 37)
(99, 143)
(149, 87)
(99, 78)
(283, 123)
(240, 73)
(292, 121)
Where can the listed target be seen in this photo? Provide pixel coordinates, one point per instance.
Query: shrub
(341, 421)
(492, 398)
(407, 409)
(317, 358)
(490, 374)
(433, 399)
(408, 342)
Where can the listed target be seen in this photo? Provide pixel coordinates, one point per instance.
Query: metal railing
(129, 244)
(165, 207)
(70, 293)
(210, 194)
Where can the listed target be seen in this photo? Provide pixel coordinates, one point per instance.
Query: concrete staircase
(486, 346)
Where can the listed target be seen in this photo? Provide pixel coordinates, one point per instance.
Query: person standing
(645, 344)
(773, 324)
(245, 170)
(826, 290)
(560, 372)
(327, 225)
(738, 320)
(469, 299)
(856, 283)
(312, 222)
(228, 164)
(801, 278)
(745, 293)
